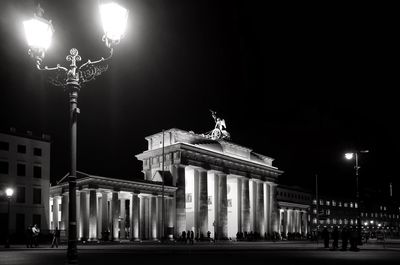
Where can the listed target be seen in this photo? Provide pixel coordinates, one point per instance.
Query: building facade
(294, 211)
(211, 186)
(25, 167)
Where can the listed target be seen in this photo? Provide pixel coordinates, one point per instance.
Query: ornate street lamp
(9, 194)
(38, 34)
(350, 156)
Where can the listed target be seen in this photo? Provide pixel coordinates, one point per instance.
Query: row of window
(336, 221)
(20, 223)
(20, 195)
(5, 146)
(338, 204)
(394, 216)
(294, 195)
(21, 169)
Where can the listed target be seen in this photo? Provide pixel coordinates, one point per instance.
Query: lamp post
(350, 156)
(38, 33)
(9, 194)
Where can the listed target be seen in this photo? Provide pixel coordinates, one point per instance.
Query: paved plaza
(219, 253)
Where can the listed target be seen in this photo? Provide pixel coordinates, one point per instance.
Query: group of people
(348, 235)
(187, 237)
(32, 236)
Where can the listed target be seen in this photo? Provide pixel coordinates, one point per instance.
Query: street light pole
(73, 88)
(39, 32)
(9, 193)
(356, 168)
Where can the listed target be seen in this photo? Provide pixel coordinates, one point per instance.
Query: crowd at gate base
(348, 235)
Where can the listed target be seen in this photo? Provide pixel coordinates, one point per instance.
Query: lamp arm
(90, 70)
(88, 63)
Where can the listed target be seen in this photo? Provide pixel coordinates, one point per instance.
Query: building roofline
(28, 134)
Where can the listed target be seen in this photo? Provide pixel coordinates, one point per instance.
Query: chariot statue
(219, 131)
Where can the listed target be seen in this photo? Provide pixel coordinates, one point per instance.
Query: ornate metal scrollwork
(61, 76)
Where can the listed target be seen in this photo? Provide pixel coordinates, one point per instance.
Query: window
(3, 167)
(20, 223)
(314, 201)
(20, 194)
(21, 149)
(345, 204)
(37, 196)
(37, 151)
(351, 205)
(328, 203)
(321, 202)
(37, 172)
(333, 203)
(21, 170)
(36, 220)
(355, 205)
(340, 204)
(4, 146)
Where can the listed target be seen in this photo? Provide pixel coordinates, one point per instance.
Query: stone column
(285, 222)
(274, 208)
(159, 203)
(203, 203)
(196, 197)
(104, 214)
(170, 217)
(78, 215)
(92, 215)
(153, 217)
(115, 215)
(260, 208)
(245, 205)
(84, 215)
(142, 219)
(55, 212)
(298, 222)
(64, 212)
(135, 206)
(267, 206)
(122, 215)
(223, 207)
(239, 202)
(178, 173)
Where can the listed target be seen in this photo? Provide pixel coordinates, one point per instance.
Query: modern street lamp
(39, 32)
(9, 194)
(350, 156)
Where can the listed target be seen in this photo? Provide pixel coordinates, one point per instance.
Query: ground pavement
(282, 252)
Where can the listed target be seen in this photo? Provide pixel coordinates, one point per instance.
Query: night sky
(302, 84)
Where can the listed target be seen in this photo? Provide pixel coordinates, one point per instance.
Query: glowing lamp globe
(114, 18)
(9, 192)
(349, 156)
(38, 32)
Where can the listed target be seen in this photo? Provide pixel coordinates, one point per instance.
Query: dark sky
(302, 84)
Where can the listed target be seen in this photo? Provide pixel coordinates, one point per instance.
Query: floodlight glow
(9, 192)
(379, 225)
(114, 18)
(38, 32)
(366, 223)
(349, 155)
(371, 221)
